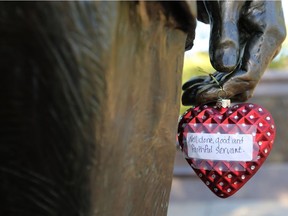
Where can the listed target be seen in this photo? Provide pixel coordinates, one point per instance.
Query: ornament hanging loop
(222, 102)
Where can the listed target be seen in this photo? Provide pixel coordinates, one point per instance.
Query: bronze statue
(90, 97)
(244, 38)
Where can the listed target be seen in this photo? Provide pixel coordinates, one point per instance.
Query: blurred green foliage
(279, 62)
(197, 64)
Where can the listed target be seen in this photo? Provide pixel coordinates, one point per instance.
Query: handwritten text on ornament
(230, 147)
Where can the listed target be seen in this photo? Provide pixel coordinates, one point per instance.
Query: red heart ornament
(226, 146)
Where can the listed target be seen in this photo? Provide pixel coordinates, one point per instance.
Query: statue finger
(194, 81)
(193, 95)
(224, 47)
(242, 97)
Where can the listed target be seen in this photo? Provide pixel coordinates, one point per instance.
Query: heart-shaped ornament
(226, 145)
